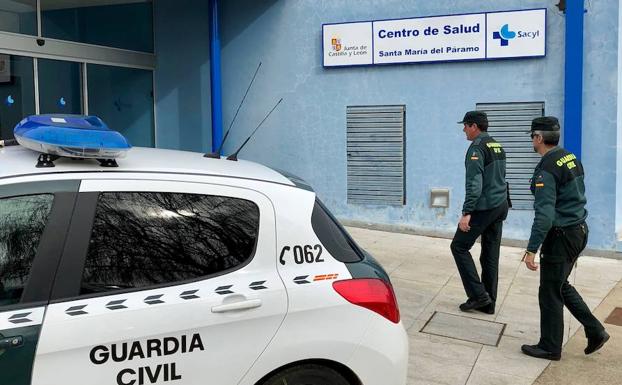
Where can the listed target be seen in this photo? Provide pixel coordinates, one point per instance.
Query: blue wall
(600, 104)
(182, 85)
(307, 134)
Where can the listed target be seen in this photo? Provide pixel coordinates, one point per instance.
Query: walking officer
(485, 207)
(559, 226)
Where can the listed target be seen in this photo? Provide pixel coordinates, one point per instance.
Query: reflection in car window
(22, 220)
(142, 239)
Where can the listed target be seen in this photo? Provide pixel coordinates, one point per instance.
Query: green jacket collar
(551, 152)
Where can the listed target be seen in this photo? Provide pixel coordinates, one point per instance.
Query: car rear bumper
(382, 357)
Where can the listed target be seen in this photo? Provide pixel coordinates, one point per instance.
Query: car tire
(307, 374)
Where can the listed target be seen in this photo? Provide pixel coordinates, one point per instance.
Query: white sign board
(347, 43)
(479, 36)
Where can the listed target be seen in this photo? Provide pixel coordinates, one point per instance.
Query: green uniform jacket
(485, 186)
(558, 187)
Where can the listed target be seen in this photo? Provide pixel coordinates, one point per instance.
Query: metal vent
(509, 124)
(376, 154)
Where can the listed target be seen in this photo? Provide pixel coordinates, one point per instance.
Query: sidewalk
(426, 282)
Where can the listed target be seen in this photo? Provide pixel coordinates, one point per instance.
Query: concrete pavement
(427, 282)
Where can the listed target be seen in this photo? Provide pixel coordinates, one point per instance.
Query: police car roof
(20, 161)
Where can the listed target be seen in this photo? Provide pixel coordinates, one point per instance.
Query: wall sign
(478, 36)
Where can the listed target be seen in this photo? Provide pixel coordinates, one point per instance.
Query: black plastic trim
(366, 266)
(78, 236)
(321, 221)
(50, 250)
(298, 181)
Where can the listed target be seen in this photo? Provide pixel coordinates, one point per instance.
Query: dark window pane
(143, 239)
(17, 92)
(19, 16)
(60, 87)
(22, 220)
(333, 236)
(123, 98)
(128, 25)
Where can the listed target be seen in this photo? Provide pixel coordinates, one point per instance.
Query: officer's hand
(529, 259)
(464, 223)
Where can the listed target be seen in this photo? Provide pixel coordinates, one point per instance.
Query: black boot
(593, 344)
(488, 309)
(473, 304)
(538, 352)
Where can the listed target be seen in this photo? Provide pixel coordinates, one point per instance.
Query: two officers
(559, 230)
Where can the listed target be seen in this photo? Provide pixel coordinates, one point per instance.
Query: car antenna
(234, 156)
(216, 154)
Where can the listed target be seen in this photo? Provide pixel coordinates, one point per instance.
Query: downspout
(573, 82)
(215, 75)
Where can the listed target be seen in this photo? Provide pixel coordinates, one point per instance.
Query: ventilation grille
(509, 124)
(376, 154)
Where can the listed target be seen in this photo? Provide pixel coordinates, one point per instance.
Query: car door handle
(11, 342)
(242, 305)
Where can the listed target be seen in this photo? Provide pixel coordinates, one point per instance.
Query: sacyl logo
(504, 35)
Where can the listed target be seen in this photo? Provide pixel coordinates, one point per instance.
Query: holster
(567, 242)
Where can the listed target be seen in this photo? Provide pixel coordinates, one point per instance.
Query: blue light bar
(76, 136)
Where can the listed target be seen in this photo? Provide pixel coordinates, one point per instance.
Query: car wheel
(308, 374)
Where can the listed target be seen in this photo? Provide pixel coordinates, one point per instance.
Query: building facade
(377, 143)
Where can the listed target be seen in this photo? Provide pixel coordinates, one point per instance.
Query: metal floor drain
(615, 318)
(464, 328)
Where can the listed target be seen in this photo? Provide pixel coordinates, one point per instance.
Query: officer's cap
(545, 123)
(478, 117)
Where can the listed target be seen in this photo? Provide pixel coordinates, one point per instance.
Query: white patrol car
(176, 268)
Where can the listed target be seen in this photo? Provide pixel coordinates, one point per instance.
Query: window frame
(76, 247)
(38, 287)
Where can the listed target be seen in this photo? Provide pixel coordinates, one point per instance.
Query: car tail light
(373, 294)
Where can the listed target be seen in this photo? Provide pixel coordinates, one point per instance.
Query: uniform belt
(561, 229)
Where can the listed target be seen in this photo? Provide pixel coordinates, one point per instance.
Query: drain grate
(615, 318)
(464, 328)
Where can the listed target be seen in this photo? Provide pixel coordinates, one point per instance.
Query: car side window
(141, 239)
(22, 221)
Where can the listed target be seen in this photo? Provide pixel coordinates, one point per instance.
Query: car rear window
(333, 236)
(141, 239)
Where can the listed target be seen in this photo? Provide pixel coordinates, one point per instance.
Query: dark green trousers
(489, 225)
(559, 252)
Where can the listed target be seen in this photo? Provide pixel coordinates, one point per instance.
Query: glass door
(17, 92)
(60, 87)
(123, 99)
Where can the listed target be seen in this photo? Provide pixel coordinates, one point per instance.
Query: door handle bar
(242, 305)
